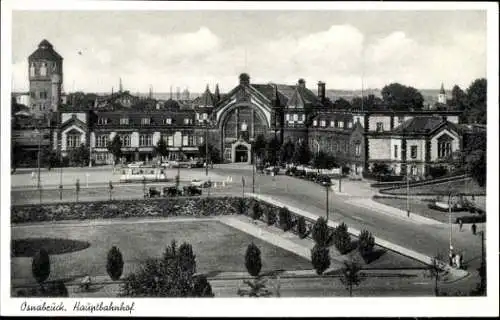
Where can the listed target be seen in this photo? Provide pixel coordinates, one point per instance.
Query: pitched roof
(442, 89)
(420, 125)
(286, 92)
(45, 51)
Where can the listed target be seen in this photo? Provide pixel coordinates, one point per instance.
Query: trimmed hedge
(188, 206)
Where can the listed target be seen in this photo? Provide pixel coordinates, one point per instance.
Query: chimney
(321, 90)
(302, 83)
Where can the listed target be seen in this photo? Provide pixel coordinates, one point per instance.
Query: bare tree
(350, 275)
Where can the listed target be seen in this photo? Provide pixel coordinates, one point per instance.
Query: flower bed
(186, 206)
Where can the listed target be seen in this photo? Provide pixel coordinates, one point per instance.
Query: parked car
(172, 191)
(324, 180)
(153, 192)
(192, 191)
(272, 170)
(201, 183)
(165, 164)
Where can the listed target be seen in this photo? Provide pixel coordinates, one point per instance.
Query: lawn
(468, 186)
(217, 247)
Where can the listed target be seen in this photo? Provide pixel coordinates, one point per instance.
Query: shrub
(320, 258)
(172, 275)
(285, 219)
(271, 216)
(346, 170)
(302, 228)
(437, 172)
(202, 287)
(241, 206)
(40, 266)
(256, 211)
(365, 244)
(114, 266)
(253, 261)
(321, 234)
(56, 289)
(342, 239)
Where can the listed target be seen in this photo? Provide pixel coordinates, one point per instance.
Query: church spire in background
(121, 86)
(217, 94)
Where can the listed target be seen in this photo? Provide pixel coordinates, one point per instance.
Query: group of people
(473, 227)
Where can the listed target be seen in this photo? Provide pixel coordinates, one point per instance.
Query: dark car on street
(172, 191)
(192, 191)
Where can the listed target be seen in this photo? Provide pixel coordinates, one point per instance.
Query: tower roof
(207, 99)
(45, 51)
(442, 89)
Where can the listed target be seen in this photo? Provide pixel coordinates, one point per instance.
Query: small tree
(302, 228)
(271, 216)
(285, 219)
(161, 148)
(350, 275)
(320, 258)
(241, 206)
(366, 242)
(253, 261)
(342, 239)
(321, 234)
(115, 148)
(40, 266)
(187, 259)
(202, 287)
(256, 211)
(114, 265)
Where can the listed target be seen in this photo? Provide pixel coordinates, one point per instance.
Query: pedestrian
(462, 261)
(32, 175)
(474, 229)
(460, 224)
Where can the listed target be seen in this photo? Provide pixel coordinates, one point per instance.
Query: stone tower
(45, 78)
(442, 95)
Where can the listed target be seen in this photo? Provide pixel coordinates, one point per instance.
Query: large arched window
(242, 118)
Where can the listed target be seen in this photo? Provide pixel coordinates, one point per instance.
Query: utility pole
(39, 183)
(407, 192)
(60, 174)
(327, 209)
(449, 221)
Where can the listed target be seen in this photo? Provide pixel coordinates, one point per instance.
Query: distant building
(45, 79)
(442, 95)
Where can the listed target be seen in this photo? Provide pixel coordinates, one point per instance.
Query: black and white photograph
(331, 152)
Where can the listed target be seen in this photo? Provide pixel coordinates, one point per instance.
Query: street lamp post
(253, 173)
(39, 183)
(206, 147)
(60, 174)
(449, 221)
(407, 192)
(327, 187)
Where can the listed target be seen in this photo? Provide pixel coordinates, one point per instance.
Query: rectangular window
(413, 152)
(102, 121)
(341, 124)
(204, 116)
(125, 140)
(72, 141)
(380, 126)
(187, 121)
(43, 94)
(395, 151)
(185, 140)
(302, 117)
(358, 149)
(287, 117)
(124, 121)
(332, 124)
(323, 123)
(145, 120)
(315, 123)
(295, 117)
(170, 140)
(200, 140)
(145, 140)
(400, 119)
(167, 121)
(349, 124)
(102, 141)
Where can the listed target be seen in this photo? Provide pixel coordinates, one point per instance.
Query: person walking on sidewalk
(474, 229)
(460, 224)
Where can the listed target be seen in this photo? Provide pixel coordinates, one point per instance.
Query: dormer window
(315, 123)
(102, 121)
(124, 121)
(167, 121)
(146, 121)
(323, 123)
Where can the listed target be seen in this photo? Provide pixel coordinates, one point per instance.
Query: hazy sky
(196, 48)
